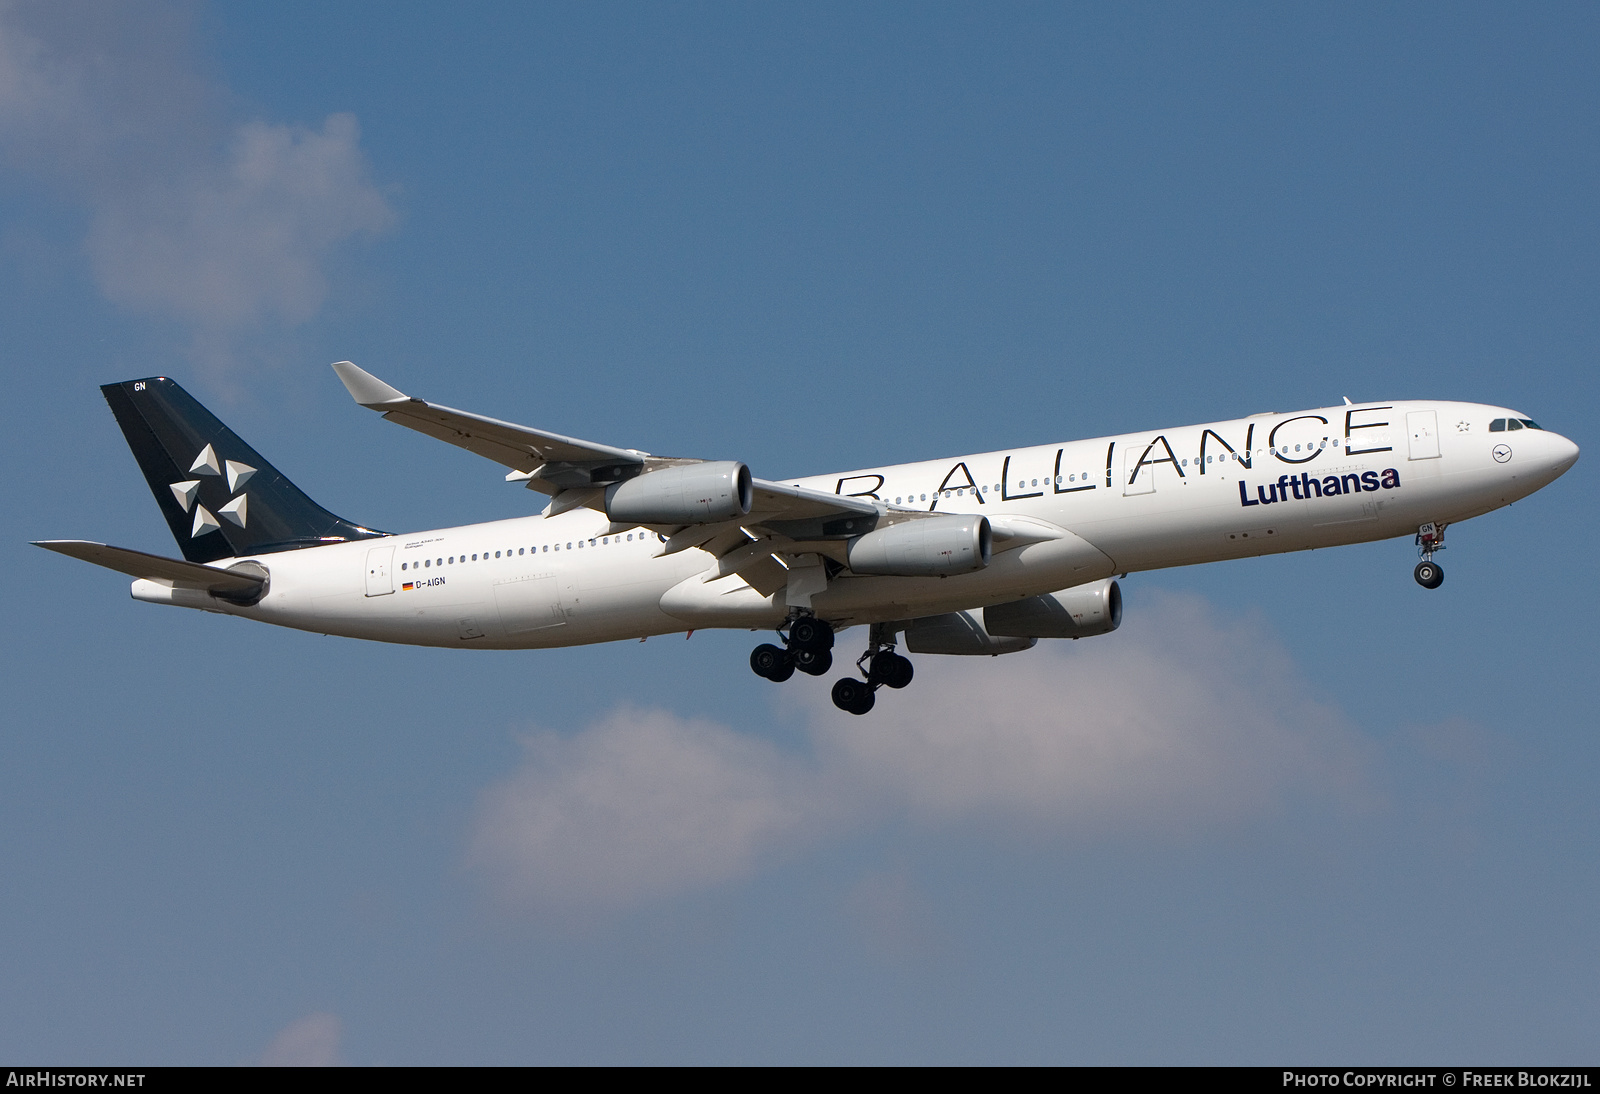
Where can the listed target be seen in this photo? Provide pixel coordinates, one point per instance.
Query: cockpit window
(1512, 423)
(1530, 424)
(1497, 426)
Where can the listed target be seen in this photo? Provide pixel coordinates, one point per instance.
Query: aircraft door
(380, 566)
(1423, 427)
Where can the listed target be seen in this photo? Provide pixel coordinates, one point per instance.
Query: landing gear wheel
(853, 696)
(889, 669)
(772, 663)
(810, 633)
(1430, 575)
(814, 662)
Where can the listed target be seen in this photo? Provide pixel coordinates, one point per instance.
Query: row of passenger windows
(1067, 480)
(1022, 484)
(602, 541)
(1281, 450)
(1501, 425)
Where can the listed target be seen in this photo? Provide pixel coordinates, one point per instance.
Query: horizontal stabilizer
(155, 568)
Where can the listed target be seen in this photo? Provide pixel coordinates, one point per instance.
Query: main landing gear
(883, 668)
(1430, 538)
(809, 647)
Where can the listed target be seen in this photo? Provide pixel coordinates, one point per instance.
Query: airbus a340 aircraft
(980, 554)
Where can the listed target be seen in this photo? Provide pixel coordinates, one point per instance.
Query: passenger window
(1512, 423)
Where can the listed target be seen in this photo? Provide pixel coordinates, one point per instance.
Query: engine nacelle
(695, 493)
(960, 633)
(953, 544)
(1095, 608)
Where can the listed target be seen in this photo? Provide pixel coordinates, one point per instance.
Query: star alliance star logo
(236, 511)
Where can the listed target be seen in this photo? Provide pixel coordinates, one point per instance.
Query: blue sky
(1296, 809)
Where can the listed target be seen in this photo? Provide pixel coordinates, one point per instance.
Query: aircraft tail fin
(220, 497)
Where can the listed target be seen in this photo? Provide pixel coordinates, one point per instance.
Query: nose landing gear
(1430, 538)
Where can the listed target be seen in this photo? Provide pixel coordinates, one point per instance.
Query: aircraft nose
(1566, 453)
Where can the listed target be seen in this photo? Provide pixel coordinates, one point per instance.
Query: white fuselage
(1141, 501)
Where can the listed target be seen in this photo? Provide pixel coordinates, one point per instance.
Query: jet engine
(695, 493)
(952, 544)
(1095, 608)
(960, 633)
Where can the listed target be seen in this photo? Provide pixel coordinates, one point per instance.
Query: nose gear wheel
(1430, 538)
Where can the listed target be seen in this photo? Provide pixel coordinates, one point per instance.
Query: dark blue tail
(220, 498)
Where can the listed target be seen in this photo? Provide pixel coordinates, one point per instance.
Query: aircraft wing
(153, 567)
(519, 447)
(573, 470)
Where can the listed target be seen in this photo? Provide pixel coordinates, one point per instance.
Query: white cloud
(224, 228)
(312, 1041)
(1174, 720)
(640, 805)
(1176, 724)
(244, 239)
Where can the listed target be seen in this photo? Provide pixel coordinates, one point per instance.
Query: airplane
(981, 554)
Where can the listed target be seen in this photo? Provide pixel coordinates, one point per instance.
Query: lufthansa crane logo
(1502, 453)
(235, 511)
